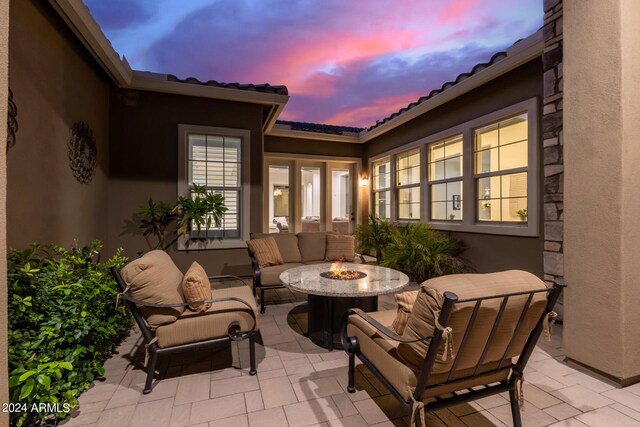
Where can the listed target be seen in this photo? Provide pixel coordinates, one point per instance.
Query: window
(382, 188)
(408, 184)
(490, 162)
(217, 159)
(445, 178)
(501, 161)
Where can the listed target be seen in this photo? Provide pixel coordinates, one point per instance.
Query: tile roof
(265, 88)
(320, 128)
(476, 69)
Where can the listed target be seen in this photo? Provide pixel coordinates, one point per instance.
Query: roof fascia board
(79, 19)
(518, 54)
(317, 136)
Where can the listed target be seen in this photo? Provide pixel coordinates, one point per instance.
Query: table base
(325, 317)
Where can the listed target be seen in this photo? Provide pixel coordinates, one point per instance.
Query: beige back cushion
(196, 287)
(155, 278)
(287, 244)
(405, 302)
(341, 247)
(429, 302)
(266, 251)
(313, 245)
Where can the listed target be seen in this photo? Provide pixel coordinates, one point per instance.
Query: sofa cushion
(467, 286)
(155, 278)
(340, 247)
(383, 353)
(287, 244)
(270, 276)
(313, 245)
(266, 251)
(211, 324)
(405, 302)
(196, 287)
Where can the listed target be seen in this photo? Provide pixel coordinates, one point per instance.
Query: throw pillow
(266, 251)
(196, 287)
(340, 247)
(155, 278)
(405, 302)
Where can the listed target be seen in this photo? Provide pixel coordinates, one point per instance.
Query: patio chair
(468, 336)
(232, 316)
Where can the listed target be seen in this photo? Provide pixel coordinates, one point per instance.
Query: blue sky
(345, 62)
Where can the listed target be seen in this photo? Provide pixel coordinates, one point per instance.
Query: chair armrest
(379, 327)
(227, 276)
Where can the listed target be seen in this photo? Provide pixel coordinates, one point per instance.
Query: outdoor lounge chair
(468, 336)
(232, 316)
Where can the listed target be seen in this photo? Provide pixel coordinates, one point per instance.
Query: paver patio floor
(300, 384)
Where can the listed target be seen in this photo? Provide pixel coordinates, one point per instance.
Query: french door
(309, 195)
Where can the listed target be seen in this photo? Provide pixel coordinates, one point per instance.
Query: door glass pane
(278, 199)
(310, 198)
(341, 208)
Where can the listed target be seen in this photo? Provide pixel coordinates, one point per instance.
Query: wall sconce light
(364, 181)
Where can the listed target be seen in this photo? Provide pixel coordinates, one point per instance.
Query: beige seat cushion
(196, 287)
(266, 251)
(466, 286)
(313, 245)
(211, 324)
(270, 276)
(340, 247)
(287, 244)
(405, 302)
(383, 353)
(155, 278)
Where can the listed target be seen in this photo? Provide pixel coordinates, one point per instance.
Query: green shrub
(374, 236)
(63, 324)
(422, 253)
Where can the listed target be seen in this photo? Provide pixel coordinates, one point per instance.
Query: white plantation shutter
(215, 162)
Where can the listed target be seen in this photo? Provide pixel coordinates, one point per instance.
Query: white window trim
(183, 186)
(469, 224)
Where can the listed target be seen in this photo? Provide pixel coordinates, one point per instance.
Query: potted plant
(167, 222)
(374, 236)
(422, 252)
(523, 214)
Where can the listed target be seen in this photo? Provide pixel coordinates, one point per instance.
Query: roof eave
(287, 132)
(517, 55)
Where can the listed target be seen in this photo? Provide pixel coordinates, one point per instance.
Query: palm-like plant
(374, 236)
(167, 222)
(422, 253)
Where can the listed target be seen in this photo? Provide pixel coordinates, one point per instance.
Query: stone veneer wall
(552, 142)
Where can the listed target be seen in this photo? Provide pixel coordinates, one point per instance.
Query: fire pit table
(331, 291)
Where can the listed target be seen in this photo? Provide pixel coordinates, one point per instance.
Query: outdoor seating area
(301, 384)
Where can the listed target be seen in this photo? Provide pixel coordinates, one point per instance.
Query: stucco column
(4, 82)
(602, 185)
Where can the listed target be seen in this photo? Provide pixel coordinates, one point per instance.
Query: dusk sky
(345, 62)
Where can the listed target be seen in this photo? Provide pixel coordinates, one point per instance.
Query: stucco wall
(55, 83)
(486, 252)
(144, 163)
(302, 146)
(4, 80)
(602, 262)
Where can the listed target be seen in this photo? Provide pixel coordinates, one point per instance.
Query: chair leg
(515, 408)
(151, 369)
(252, 354)
(351, 388)
(262, 309)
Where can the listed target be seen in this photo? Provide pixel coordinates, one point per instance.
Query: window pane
(487, 137)
(501, 197)
(382, 204)
(445, 159)
(408, 167)
(439, 210)
(439, 192)
(310, 193)
(278, 199)
(489, 210)
(513, 130)
(381, 174)
(514, 209)
(197, 173)
(487, 161)
(409, 203)
(446, 201)
(514, 185)
(513, 156)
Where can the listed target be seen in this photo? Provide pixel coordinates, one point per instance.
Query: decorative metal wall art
(12, 122)
(82, 152)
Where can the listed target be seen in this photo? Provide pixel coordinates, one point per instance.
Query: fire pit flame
(340, 272)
